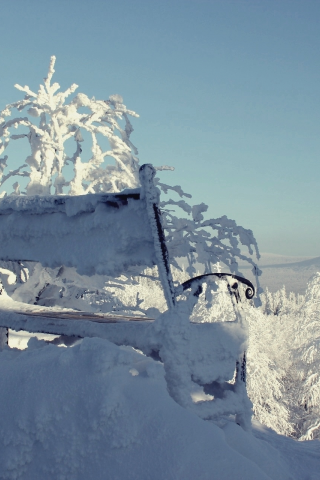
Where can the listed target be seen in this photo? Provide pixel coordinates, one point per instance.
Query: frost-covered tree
(203, 243)
(308, 363)
(50, 121)
(284, 361)
(268, 367)
(281, 303)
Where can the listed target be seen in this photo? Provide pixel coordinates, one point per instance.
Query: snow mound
(103, 412)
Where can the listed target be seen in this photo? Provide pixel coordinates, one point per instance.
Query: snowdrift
(97, 411)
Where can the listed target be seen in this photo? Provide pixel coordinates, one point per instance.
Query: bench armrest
(195, 284)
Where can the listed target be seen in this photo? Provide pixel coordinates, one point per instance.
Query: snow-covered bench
(105, 234)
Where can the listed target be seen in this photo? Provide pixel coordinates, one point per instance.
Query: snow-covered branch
(59, 122)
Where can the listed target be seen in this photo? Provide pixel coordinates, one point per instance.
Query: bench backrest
(95, 233)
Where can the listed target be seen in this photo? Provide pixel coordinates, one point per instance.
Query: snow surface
(100, 411)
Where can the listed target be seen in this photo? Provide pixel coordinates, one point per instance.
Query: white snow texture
(47, 229)
(97, 411)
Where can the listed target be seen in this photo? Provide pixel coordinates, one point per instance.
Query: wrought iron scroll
(197, 282)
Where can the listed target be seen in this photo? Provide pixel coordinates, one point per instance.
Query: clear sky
(228, 93)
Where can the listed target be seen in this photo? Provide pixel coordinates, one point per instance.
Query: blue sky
(227, 92)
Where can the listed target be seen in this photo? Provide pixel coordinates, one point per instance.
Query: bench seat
(221, 343)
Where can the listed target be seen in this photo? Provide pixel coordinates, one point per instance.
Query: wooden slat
(92, 317)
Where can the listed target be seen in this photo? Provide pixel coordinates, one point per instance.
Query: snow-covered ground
(98, 411)
(20, 339)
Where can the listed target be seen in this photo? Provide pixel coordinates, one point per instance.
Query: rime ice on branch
(50, 122)
(205, 242)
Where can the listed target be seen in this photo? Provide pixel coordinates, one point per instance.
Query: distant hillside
(279, 270)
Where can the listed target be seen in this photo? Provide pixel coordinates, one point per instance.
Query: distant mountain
(310, 262)
(268, 259)
(279, 270)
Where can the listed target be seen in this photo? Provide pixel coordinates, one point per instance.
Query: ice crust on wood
(151, 196)
(47, 229)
